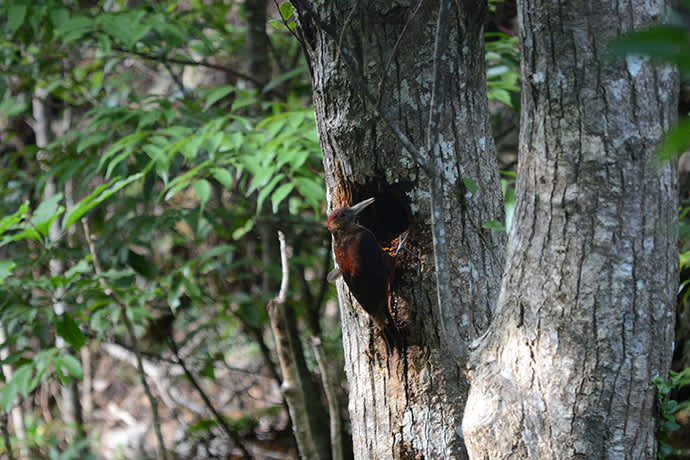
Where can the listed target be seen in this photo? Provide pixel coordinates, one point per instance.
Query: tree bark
(408, 404)
(584, 320)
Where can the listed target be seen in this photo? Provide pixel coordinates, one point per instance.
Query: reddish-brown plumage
(366, 268)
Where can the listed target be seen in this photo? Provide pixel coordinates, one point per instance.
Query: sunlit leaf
(8, 394)
(6, 268)
(286, 10)
(280, 194)
(223, 176)
(266, 190)
(46, 213)
(72, 365)
(203, 190)
(13, 219)
(22, 377)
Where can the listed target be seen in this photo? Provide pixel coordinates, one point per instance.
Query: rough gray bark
(584, 320)
(408, 404)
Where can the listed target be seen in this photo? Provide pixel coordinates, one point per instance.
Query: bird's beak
(359, 207)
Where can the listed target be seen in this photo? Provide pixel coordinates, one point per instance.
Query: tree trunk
(408, 404)
(258, 63)
(584, 320)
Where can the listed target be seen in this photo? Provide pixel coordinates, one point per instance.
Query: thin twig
(190, 62)
(311, 436)
(219, 418)
(201, 63)
(130, 331)
(175, 78)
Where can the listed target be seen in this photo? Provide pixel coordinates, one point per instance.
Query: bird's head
(346, 218)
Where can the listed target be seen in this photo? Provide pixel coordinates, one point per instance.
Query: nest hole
(389, 215)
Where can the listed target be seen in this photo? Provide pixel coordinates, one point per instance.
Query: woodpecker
(366, 268)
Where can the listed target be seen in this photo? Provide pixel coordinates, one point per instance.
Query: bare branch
(200, 63)
(307, 423)
(282, 294)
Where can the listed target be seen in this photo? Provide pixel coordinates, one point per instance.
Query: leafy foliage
(668, 407)
(503, 69)
(177, 180)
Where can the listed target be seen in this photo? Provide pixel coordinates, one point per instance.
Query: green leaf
(13, 219)
(676, 141)
(469, 185)
(203, 190)
(126, 27)
(217, 94)
(46, 213)
(311, 189)
(266, 190)
(243, 230)
(27, 233)
(223, 176)
(661, 43)
(22, 377)
(11, 107)
(59, 16)
(8, 395)
(16, 12)
(90, 140)
(280, 194)
(494, 225)
(74, 28)
(157, 154)
(72, 365)
(286, 10)
(124, 147)
(67, 328)
(81, 267)
(6, 267)
(96, 198)
(141, 264)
